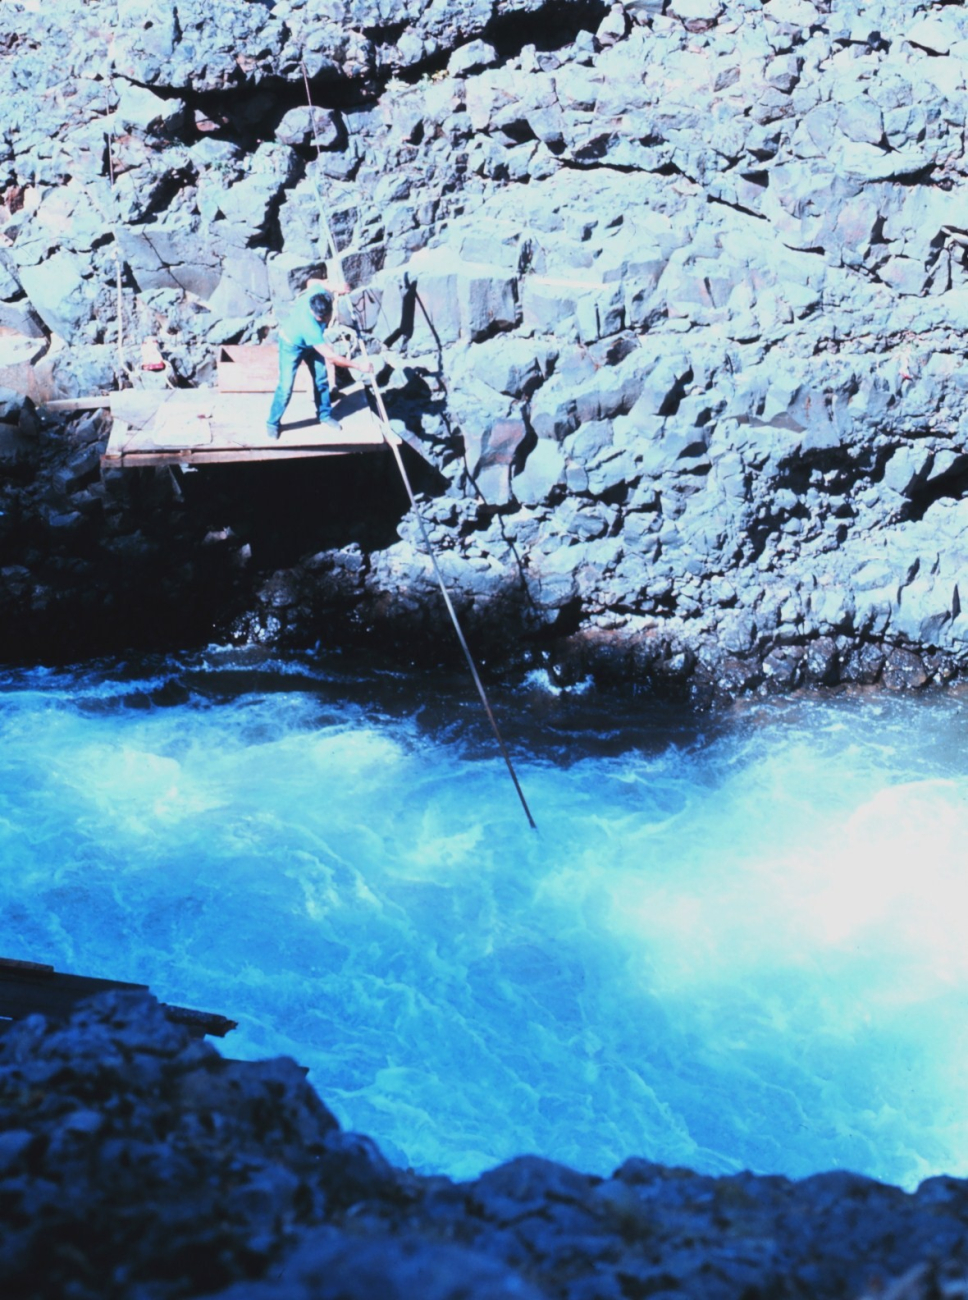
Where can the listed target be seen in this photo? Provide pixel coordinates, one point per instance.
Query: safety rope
(123, 368)
(393, 443)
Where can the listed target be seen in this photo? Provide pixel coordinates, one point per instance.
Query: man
(302, 337)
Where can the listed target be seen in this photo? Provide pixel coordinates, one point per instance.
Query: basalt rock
(135, 1162)
(706, 257)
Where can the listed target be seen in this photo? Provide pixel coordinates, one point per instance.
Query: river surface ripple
(735, 942)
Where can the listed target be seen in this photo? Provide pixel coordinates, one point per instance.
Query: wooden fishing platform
(215, 426)
(29, 988)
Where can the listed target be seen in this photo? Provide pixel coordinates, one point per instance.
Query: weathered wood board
(203, 426)
(253, 368)
(29, 988)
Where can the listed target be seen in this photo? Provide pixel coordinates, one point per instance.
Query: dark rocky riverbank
(670, 297)
(135, 1162)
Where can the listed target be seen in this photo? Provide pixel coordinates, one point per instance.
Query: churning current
(733, 943)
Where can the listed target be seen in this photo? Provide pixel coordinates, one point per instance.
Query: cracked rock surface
(669, 295)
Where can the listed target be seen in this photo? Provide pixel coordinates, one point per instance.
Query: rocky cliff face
(138, 1164)
(669, 295)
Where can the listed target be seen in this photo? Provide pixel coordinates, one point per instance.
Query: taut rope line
(392, 444)
(122, 369)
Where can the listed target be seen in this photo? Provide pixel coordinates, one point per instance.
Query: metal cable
(122, 369)
(392, 443)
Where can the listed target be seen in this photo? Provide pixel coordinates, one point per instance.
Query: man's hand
(364, 366)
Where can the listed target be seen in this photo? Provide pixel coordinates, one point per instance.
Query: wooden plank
(200, 1022)
(136, 406)
(205, 426)
(221, 456)
(29, 988)
(117, 439)
(254, 368)
(96, 403)
(174, 428)
(25, 967)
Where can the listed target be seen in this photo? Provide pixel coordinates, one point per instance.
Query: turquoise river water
(734, 942)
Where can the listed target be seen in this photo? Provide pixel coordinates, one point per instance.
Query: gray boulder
(144, 113)
(59, 293)
(300, 126)
(472, 57)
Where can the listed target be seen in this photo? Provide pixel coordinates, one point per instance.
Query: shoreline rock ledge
(138, 1164)
(670, 297)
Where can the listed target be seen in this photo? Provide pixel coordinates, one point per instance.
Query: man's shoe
(331, 425)
(274, 432)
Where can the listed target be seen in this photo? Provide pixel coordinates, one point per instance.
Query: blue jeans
(289, 359)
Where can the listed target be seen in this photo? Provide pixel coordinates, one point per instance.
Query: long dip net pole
(393, 443)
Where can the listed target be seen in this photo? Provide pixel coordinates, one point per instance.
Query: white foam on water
(742, 953)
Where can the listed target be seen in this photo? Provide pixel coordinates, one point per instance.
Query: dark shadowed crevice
(247, 115)
(921, 177)
(671, 402)
(950, 486)
(576, 164)
(550, 28)
(388, 33)
(737, 207)
(553, 27)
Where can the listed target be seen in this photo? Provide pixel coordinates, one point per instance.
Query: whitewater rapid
(733, 943)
